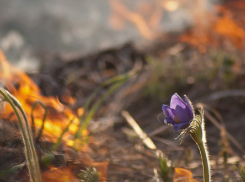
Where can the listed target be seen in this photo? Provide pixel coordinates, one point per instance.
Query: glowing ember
(27, 92)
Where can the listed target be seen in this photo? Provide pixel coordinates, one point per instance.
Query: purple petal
(177, 101)
(189, 105)
(164, 110)
(183, 114)
(177, 127)
(179, 114)
(168, 112)
(167, 120)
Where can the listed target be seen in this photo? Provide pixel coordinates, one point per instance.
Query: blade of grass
(106, 83)
(43, 120)
(60, 138)
(120, 79)
(49, 157)
(30, 153)
(28, 130)
(11, 169)
(94, 109)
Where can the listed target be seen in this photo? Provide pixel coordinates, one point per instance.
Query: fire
(27, 92)
(226, 25)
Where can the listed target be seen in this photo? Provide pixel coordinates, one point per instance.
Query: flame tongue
(27, 92)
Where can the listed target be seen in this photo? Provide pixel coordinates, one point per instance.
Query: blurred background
(131, 56)
(80, 27)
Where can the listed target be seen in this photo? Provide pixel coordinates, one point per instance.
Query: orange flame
(27, 93)
(226, 25)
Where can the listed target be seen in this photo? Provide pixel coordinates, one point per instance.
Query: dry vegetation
(210, 72)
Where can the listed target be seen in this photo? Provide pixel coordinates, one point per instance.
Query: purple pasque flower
(179, 114)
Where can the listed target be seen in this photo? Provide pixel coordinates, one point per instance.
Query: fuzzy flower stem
(31, 157)
(205, 162)
(199, 136)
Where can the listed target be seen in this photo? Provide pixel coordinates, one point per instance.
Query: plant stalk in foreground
(199, 136)
(182, 116)
(31, 157)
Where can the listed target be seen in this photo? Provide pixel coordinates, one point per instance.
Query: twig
(219, 126)
(161, 129)
(147, 141)
(222, 94)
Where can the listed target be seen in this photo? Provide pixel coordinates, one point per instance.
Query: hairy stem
(31, 157)
(205, 162)
(199, 136)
